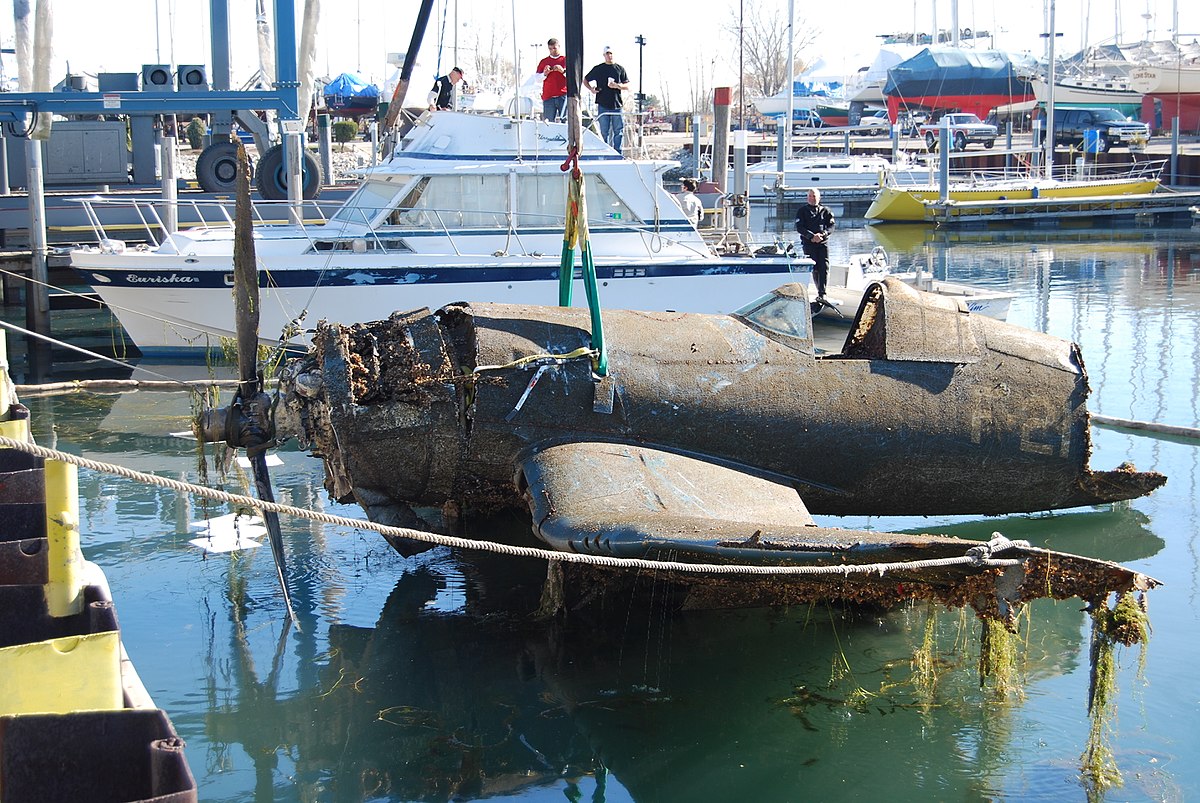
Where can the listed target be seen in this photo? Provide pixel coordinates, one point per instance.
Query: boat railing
(1082, 170)
(144, 220)
(360, 228)
(385, 235)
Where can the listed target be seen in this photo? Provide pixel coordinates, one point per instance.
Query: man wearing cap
(606, 81)
(442, 94)
(554, 83)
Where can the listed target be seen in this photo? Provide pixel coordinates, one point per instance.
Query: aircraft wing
(632, 501)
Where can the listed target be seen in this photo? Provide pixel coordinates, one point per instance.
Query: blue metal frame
(284, 99)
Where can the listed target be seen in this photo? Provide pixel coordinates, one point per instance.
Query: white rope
(978, 556)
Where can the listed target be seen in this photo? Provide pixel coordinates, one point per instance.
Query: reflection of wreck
(709, 431)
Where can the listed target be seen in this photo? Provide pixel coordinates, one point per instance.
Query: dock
(1157, 205)
(76, 722)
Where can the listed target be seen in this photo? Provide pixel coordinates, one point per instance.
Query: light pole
(641, 99)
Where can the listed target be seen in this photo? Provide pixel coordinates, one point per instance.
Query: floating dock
(76, 723)
(1152, 204)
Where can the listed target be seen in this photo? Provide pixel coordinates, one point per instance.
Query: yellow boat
(909, 204)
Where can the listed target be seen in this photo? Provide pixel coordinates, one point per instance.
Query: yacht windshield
(782, 315)
(369, 200)
(542, 200)
(475, 201)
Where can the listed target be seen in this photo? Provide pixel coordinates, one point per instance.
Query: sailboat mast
(791, 78)
(1050, 79)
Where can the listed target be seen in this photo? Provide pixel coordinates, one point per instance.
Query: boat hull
(851, 172)
(910, 203)
(849, 282)
(1092, 93)
(181, 313)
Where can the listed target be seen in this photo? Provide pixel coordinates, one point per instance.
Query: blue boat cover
(954, 71)
(349, 89)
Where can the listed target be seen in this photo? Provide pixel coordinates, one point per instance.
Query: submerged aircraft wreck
(713, 438)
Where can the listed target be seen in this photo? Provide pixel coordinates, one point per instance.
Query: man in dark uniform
(814, 222)
(442, 94)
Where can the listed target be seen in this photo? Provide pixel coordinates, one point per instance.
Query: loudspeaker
(156, 77)
(192, 78)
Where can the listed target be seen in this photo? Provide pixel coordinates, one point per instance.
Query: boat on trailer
(467, 207)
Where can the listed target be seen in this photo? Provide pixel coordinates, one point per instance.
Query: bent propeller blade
(252, 405)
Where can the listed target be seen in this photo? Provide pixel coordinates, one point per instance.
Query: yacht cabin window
(482, 201)
(369, 200)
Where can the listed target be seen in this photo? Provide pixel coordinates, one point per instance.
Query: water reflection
(431, 704)
(423, 679)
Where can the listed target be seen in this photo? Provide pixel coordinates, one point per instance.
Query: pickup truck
(964, 129)
(874, 123)
(1113, 129)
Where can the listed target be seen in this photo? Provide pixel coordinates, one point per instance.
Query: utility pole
(641, 98)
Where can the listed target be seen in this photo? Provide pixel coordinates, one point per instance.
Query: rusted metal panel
(624, 501)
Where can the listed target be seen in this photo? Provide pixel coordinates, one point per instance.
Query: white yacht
(843, 172)
(467, 207)
(847, 284)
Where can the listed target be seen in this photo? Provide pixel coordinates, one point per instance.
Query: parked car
(1112, 128)
(874, 123)
(964, 129)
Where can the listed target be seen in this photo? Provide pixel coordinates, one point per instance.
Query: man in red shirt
(554, 84)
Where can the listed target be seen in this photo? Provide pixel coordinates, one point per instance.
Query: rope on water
(121, 386)
(978, 556)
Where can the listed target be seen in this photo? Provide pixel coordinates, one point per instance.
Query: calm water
(408, 681)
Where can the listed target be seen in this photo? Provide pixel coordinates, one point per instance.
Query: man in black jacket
(442, 94)
(814, 222)
(607, 81)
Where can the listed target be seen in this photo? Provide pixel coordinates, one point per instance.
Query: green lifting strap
(576, 231)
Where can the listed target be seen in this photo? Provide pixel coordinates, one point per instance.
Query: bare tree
(761, 25)
(700, 82)
(666, 94)
(490, 61)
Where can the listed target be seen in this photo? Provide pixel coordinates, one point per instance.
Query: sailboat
(953, 79)
(1100, 91)
(910, 204)
(819, 88)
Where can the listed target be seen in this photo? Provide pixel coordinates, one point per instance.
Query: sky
(686, 44)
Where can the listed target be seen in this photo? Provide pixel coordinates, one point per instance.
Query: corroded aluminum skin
(928, 410)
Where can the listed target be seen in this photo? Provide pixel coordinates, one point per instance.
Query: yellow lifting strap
(575, 234)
